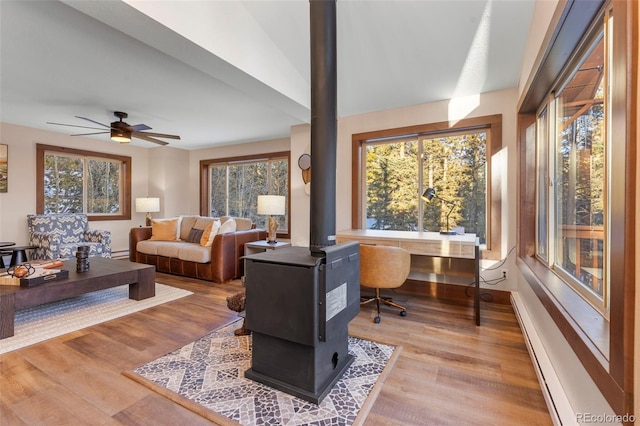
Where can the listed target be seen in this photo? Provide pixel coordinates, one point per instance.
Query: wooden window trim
(41, 149)
(493, 123)
(205, 187)
(612, 376)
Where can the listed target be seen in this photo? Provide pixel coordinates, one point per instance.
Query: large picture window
(396, 166)
(78, 181)
(398, 171)
(231, 186)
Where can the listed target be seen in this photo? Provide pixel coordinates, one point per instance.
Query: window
(397, 167)
(580, 180)
(454, 164)
(231, 186)
(577, 215)
(78, 181)
(571, 177)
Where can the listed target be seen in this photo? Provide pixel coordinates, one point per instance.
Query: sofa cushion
(243, 224)
(228, 226)
(187, 222)
(210, 233)
(176, 249)
(165, 229)
(195, 253)
(194, 235)
(203, 222)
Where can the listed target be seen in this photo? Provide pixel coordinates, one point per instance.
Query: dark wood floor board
(449, 371)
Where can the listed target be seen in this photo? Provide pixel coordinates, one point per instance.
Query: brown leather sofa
(226, 251)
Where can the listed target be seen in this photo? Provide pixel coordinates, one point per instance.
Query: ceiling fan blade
(161, 135)
(93, 121)
(73, 125)
(87, 134)
(138, 128)
(147, 138)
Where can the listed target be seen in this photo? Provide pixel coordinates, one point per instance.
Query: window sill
(586, 330)
(575, 317)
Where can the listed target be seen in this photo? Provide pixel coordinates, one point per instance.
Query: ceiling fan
(122, 132)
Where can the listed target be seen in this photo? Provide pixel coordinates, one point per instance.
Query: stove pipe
(323, 125)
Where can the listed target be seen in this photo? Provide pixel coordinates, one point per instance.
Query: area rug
(207, 377)
(39, 323)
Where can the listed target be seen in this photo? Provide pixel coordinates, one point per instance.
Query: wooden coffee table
(103, 273)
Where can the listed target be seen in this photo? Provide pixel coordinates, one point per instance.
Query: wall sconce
(147, 205)
(428, 195)
(304, 162)
(271, 205)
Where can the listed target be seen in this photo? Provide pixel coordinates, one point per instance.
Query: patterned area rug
(207, 376)
(33, 325)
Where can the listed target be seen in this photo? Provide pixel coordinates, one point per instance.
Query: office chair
(383, 267)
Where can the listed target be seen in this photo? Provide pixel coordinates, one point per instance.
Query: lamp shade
(429, 194)
(271, 204)
(147, 204)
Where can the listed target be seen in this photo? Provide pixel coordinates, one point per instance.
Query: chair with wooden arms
(383, 267)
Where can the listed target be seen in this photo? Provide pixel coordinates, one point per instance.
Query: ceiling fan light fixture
(120, 136)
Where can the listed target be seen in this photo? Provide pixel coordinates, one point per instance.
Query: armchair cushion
(57, 236)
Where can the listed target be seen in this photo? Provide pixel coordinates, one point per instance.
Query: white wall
(20, 200)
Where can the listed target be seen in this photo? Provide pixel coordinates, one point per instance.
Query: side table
(19, 254)
(261, 246)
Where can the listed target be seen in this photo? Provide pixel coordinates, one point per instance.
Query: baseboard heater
(559, 407)
(120, 254)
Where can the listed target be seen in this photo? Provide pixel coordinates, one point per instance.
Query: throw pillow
(165, 229)
(228, 226)
(209, 234)
(195, 235)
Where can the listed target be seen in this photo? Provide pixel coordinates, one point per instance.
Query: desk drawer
(429, 248)
(369, 241)
(468, 251)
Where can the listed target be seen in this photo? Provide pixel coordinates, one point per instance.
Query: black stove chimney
(323, 125)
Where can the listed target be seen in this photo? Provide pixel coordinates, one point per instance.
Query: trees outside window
(232, 186)
(78, 181)
(398, 171)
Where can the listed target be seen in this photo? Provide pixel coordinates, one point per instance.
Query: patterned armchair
(57, 236)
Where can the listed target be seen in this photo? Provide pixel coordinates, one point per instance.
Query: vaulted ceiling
(226, 72)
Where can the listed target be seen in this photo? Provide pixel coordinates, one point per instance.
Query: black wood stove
(298, 309)
(300, 300)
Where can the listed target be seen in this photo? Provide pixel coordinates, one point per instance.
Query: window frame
(125, 183)
(205, 187)
(605, 349)
(493, 126)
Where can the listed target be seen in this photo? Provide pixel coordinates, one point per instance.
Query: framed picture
(4, 167)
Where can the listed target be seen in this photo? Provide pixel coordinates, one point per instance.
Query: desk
(431, 244)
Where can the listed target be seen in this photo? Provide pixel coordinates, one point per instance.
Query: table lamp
(429, 194)
(271, 205)
(147, 205)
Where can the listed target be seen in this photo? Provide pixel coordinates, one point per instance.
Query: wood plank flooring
(450, 372)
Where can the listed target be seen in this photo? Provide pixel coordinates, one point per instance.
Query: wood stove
(300, 300)
(298, 308)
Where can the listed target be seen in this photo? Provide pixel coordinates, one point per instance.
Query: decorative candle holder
(82, 259)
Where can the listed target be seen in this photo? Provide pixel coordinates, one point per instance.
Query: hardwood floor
(449, 372)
